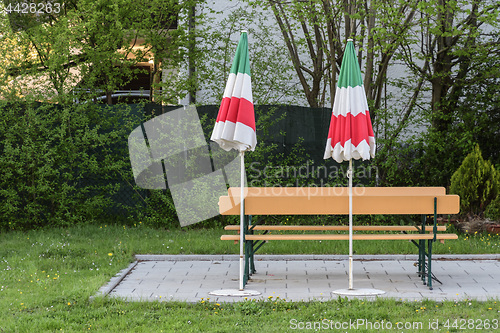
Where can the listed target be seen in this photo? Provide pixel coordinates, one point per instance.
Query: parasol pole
(349, 174)
(242, 218)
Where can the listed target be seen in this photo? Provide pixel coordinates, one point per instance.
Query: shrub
(60, 164)
(493, 210)
(477, 182)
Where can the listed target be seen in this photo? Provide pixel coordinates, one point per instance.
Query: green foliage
(423, 159)
(493, 210)
(478, 112)
(256, 307)
(430, 157)
(60, 164)
(159, 210)
(458, 40)
(63, 167)
(458, 68)
(97, 44)
(477, 182)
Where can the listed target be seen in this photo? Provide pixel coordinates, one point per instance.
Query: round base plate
(358, 292)
(235, 293)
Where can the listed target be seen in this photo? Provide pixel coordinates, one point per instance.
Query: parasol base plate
(358, 292)
(235, 293)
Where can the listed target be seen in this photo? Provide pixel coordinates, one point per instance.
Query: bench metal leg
(252, 263)
(425, 254)
(429, 264)
(429, 256)
(247, 260)
(247, 254)
(251, 245)
(421, 250)
(250, 248)
(421, 264)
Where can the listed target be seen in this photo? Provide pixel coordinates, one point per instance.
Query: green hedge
(69, 164)
(60, 164)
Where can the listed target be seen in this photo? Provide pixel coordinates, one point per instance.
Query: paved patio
(301, 278)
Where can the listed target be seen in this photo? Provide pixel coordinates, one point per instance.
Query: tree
(272, 76)
(315, 32)
(478, 109)
(455, 54)
(477, 182)
(453, 38)
(101, 42)
(435, 46)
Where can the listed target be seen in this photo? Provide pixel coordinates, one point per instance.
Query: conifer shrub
(493, 210)
(477, 182)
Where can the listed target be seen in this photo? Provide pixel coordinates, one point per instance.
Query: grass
(272, 315)
(48, 276)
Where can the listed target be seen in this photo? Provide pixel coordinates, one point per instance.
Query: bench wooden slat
(342, 237)
(336, 227)
(339, 205)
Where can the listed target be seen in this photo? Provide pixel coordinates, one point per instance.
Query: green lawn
(48, 276)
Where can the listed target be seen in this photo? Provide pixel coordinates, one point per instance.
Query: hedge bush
(60, 164)
(493, 210)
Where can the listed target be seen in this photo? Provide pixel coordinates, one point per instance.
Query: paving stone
(191, 280)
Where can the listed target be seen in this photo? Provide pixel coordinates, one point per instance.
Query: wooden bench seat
(327, 236)
(421, 201)
(333, 228)
(341, 237)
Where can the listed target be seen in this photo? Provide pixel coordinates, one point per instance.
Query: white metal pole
(242, 217)
(350, 224)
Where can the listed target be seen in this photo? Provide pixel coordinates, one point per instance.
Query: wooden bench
(421, 201)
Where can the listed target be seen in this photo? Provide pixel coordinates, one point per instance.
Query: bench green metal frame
(424, 263)
(405, 201)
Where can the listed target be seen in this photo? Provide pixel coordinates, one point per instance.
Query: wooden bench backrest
(316, 201)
